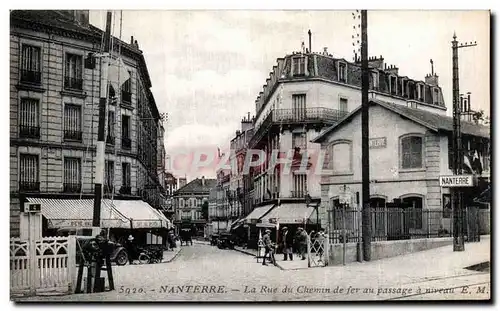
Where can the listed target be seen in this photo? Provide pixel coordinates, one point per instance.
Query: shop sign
(378, 143)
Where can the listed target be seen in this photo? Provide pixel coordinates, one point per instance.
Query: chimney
(310, 43)
(432, 80)
(203, 181)
(136, 44)
(131, 40)
(393, 69)
(377, 62)
(325, 50)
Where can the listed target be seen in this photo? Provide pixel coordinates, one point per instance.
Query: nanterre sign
(456, 181)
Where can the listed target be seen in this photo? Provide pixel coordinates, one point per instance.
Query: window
(28, 173)
(415, 211)
(299, 66)
(299, 107)
(411, 90)
(342, 72)
(411, 149)
(341, 157)
(30, 64)
(343, 104)
(72, 177)
(126, 142)
(394, 85)
(181, 202)
(110, 137)
(127, 90)
(29, 126)
(125, 189)
(299, 140)
(299, 186)
(110, 174)
(375, 82)
(72, 122)
(420, 92)
(436, 96)
(73, 74)
(404, 88)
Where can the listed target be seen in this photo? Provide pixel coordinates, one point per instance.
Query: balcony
(32, 186)
(31, 77)
(72, 187)
(125, 190)
(26, 131)
(72, 135)
(110, 140)
(126, 143)
(73, 83)
(312, 115)
(126, 97)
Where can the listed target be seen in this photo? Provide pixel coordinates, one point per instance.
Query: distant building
(188, 202)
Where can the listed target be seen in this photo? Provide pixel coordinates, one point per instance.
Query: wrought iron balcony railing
(73, 83)
(309, 115)
(26, 131)
(29, 186)
(73, 135)
(31, 76)
(72, 187)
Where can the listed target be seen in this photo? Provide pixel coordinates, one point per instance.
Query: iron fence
(402, 224)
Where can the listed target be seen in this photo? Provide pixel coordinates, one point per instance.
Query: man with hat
(269, 247)
(131, 249)
(287, 240)
(302, 242)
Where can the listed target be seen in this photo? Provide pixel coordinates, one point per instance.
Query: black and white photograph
(272, 155)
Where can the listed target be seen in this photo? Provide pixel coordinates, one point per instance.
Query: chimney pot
(131, 40)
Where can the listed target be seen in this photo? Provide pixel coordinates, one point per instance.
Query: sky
(207, 67)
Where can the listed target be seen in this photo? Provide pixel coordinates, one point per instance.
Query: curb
(173, 257)
(244, 252)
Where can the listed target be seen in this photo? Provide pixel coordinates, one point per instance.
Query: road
(206, 273)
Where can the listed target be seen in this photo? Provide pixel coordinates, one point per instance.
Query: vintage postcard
(218, 155)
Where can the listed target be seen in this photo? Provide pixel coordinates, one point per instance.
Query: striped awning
(290, 213)
(64, 213)
(141, 214)
(257, 213)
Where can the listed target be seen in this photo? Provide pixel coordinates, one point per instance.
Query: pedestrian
(269, 248)
(131, 249)
(287, 240)
(302, 242)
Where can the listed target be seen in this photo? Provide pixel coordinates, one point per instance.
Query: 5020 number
(133, 290)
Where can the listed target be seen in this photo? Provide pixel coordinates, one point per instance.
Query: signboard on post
(452, 181)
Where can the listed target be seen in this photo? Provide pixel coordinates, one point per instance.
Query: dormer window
(394, 84)
(435, 97)
(420, 89)
(342, 72)
(299, 66)
(411, 90)
(375, 80)
(404, 90)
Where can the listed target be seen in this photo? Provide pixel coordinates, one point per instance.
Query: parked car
(225, 240)
(213, 239)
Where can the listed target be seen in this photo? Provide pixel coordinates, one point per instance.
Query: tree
(480, 117)
(204, 210)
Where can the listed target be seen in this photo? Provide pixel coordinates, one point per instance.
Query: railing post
(72, 263)
(308, 250)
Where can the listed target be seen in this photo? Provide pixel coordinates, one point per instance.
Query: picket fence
(46, 265)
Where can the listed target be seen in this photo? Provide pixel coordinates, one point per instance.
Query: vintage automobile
(186, 236)
(213, 239)
(225, 240)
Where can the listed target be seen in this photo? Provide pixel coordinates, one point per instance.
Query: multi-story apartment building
(305, 93)
(54, 96)
(188, 202)
(170, 188)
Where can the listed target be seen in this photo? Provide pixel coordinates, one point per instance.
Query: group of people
(290, 243)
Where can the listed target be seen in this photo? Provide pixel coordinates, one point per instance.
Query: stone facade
(47, 134)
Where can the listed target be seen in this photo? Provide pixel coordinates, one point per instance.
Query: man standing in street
(302, 242)
(287, 240)
(269, 247)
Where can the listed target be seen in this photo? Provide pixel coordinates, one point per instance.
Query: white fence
(47, 265)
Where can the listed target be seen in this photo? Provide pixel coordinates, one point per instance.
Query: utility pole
(456, 193)
(365, 153)
(96, 220)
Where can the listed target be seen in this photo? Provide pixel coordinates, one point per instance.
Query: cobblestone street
(205, 273)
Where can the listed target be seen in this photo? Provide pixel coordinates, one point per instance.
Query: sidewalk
(168, 256)
(248, 251)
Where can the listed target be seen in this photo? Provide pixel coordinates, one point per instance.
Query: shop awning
(237, 223)
(257, 213)
(290, 213)
(64, 213)
(141, 214)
